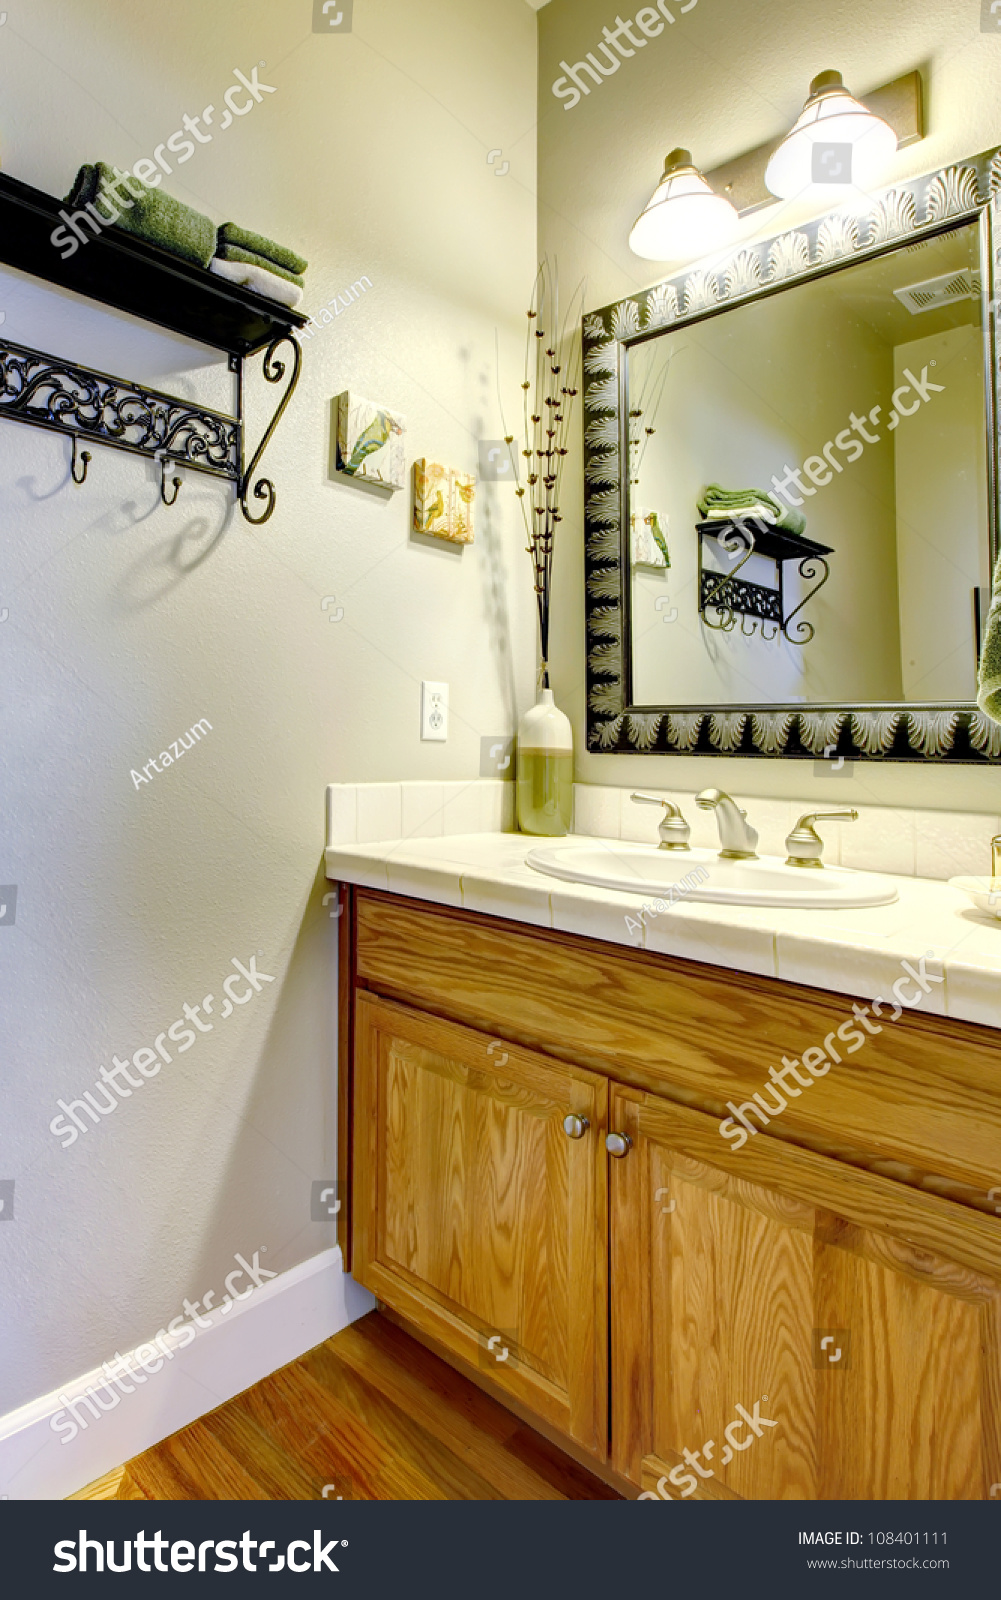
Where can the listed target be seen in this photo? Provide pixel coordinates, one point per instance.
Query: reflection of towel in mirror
(649, 541)
(989, 677)
(717, 502)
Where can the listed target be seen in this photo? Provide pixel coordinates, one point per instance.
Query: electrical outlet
(434, 711)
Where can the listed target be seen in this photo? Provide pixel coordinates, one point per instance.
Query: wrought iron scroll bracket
(274, 371)
(804, 631)
(727, 617)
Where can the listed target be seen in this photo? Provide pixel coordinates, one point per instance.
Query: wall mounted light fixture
(683, 217)
(742, 180)
(836, 141)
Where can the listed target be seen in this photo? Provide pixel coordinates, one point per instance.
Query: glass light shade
(683, 218)
(830, 117)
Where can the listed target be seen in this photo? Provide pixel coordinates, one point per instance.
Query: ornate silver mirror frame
(968, 192)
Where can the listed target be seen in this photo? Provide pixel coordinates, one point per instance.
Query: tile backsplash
(923, 844)
(365, 813)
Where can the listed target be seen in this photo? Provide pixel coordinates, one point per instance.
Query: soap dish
(984, 892)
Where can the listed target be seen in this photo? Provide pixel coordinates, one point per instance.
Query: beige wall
(941, 492)
(724, 77)
(129, 622)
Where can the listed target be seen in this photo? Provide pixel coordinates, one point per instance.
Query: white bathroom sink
(700, 875)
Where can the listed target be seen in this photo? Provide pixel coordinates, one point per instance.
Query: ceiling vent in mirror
(942, 291)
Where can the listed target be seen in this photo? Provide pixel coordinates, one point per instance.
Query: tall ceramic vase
(545, 769)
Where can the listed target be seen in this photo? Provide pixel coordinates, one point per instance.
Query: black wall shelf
(123, 271)
(731, 597)
(127, 273)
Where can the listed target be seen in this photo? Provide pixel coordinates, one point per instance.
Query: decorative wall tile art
(443, 502)
(370, 442)
(649, 538)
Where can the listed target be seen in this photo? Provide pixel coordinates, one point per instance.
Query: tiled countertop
(855, 952)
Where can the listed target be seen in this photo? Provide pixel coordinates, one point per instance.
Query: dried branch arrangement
(552, 379)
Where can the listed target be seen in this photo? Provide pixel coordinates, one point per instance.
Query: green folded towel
(234, 252)
(147, 213)
(230, 233)
(715, 501)
(989, 675)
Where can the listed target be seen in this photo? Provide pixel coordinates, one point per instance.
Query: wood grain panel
(478, 1218)
(751, 1265)
(919, 1102)
(949, 1233)
(899, 1417)
(654, 1480)
(738, 1293)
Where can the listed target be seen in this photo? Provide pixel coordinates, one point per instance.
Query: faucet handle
(804, 845)
(673, 829)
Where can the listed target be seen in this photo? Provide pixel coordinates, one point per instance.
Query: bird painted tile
(370, 442)
(443, 502)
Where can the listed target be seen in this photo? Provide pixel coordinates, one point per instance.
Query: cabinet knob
(618, 1144)
(574, 1126)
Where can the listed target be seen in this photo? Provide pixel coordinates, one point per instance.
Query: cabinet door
(787, 1327)
(476, 1216)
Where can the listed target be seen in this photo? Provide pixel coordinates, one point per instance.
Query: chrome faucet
(673, 829)
(804, 846)
(738, 840)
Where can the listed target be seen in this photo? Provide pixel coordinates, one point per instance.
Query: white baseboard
(281, 1320)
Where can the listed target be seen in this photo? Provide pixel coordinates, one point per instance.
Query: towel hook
(748, 632)
(769, 636)
(163, 484)
(85, 458)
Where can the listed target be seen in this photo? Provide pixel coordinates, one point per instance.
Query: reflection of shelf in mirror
(730, 596)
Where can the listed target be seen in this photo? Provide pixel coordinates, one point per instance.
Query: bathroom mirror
(790, 488)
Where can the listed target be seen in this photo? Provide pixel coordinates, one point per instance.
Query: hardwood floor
(371, 1412)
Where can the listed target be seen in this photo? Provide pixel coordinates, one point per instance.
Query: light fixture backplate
(742, 181)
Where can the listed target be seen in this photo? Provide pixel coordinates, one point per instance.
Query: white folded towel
(259, 279)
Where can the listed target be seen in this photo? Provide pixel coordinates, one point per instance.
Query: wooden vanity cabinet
(476, 1216)
(807, 1317)
(857, 1323)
